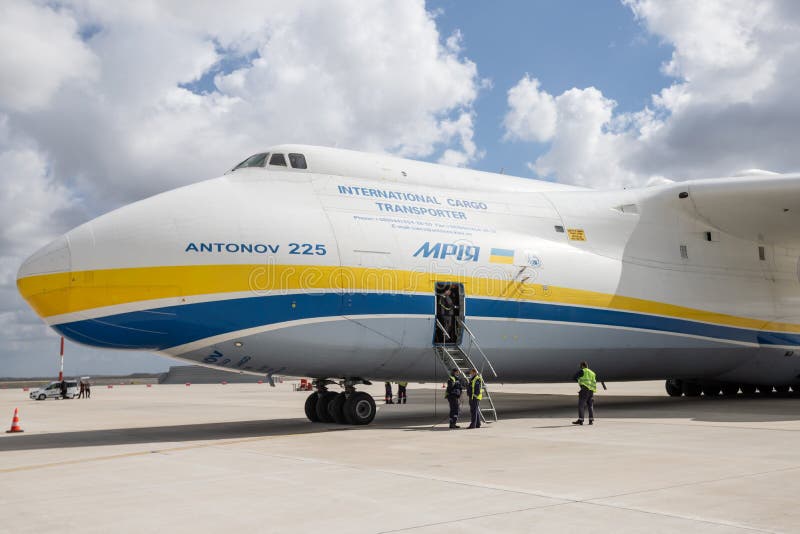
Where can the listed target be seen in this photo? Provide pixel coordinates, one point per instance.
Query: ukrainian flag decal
(501, 255)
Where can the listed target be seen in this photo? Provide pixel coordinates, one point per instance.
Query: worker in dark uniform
(64, 389)
(446, 314)
(388, 397)
(401, 392)
(88, 390)
(455, 386)
(475, 394)
(587, 380)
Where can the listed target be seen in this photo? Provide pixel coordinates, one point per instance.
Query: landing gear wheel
(674, 388)
(730, 390)
(324, 400)
(311, 407)
(691, 389)
(748, 389)
(359, 409)
(336, 408)
(783, 390)
(710, 390)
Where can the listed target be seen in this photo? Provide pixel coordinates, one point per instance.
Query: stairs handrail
(474, 341)
(442, 328)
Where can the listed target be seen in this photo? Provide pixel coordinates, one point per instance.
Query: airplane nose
(52, 258)
(45, 274)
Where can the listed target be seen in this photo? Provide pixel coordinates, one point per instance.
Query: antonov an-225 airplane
(328, 263)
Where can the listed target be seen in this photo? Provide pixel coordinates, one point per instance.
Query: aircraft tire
(748, 389)
(730, 390)
(323, 403)
(311, 407)
(710, 390)
(674, 388)
(360, 408)
(336, 408)
(692, 389)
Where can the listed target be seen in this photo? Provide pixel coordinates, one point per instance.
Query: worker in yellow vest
(475, 394)
(401, 392)
(455, 385)
(587, 380)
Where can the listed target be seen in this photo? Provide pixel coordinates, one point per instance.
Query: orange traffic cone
(15, 423)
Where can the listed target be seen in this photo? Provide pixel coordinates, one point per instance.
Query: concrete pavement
(242, 456)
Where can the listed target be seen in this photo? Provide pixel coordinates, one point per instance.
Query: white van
(53, 391)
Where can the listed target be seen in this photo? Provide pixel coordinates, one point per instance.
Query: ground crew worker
(446, 313)
(388, 397)
(88, 390)
(588, 381)
(455, 385)
(63, 389)
(475, 394)
(83, 390)
(401, 392)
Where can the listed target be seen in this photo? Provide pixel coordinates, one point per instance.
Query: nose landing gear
(348, 407)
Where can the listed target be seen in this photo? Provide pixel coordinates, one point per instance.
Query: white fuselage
(330, 272)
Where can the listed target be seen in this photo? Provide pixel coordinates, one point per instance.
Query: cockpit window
(256, 160)
(277, 159)
(298, 161)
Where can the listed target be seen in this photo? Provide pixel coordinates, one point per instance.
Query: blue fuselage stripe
(177, 325)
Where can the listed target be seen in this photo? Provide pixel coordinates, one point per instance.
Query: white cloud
(532, 113)
(40, 52)
(733, 103)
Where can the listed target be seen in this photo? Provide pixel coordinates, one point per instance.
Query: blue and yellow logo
(501, 255)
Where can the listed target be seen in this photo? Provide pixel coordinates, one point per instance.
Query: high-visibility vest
(402, 384)
(456, 387)
(588, 379)
(472, 384)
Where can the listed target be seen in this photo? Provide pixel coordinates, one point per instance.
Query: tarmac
(208, 458)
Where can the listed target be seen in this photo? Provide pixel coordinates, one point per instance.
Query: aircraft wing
(760, 207)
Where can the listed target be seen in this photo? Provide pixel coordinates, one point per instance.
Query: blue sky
(564, 44)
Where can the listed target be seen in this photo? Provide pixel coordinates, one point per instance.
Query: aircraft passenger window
(256, 160)
(298, 161)
(277, 159)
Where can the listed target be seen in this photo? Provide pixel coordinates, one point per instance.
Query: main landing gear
(350, 407)
(695, 388)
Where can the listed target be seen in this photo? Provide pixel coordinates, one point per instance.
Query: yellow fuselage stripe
(60, 293)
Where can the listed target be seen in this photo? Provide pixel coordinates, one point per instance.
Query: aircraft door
(449, 313)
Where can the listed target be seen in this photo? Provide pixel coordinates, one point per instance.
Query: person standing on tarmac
(401, 392)
(455, 386)
(475, 394)
(587, 380)
(388, 397)
(63, 389)
(88, 390)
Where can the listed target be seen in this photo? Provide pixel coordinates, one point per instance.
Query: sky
(106, 103)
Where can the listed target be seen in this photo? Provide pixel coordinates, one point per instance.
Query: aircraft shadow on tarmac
(426, 413)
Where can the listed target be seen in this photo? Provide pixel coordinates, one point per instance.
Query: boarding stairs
(460, 356)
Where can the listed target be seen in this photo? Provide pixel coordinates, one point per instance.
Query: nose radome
(52, 258)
